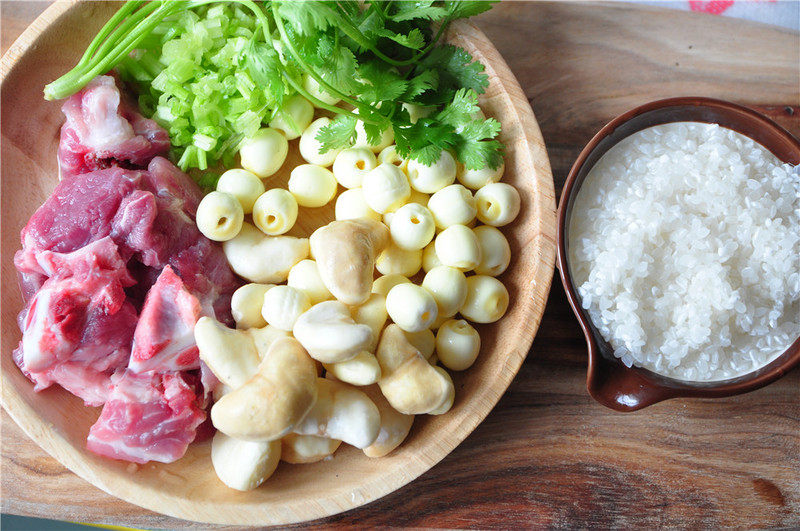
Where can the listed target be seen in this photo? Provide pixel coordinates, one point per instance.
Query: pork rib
(164, 337)
(118, 235)
(148, 417)
(78, 327)
(102, 130)
(78, 212)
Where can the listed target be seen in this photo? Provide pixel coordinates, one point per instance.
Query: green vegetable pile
(212, 73)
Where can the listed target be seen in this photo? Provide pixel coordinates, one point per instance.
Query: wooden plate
(188, 488)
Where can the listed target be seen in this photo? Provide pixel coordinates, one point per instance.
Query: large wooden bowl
(188, 488)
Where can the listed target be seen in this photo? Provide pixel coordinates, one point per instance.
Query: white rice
(684, 244)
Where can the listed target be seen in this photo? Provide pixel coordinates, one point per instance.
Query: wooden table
(548, 455)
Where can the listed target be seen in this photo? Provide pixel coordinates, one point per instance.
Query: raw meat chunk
(157, 226)
(158, 218)
(110, 241)
(79, 212)
(84, 381)
(164, 337)
(102, 130)
(205, 271)
(29, 281)
(170, 183)
(98, 256)
(148, 417)
(78, 327)
(132, 227)
(199, 262)
(148, 214)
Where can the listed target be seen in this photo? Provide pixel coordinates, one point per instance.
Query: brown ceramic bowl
(608, 380)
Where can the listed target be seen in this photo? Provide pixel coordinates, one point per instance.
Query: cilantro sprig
(213, 72)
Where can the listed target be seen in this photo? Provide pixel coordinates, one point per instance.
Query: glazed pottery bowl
(608, 380)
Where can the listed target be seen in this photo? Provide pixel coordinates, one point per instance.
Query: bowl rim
(653, 386)
(539, 275)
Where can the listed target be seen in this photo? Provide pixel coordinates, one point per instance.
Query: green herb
(214, 72)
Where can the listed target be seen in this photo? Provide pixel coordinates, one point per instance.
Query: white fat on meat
(101, 126)
(79, 321)
(164, 337)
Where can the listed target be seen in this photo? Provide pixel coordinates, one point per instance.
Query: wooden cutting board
(548, 455)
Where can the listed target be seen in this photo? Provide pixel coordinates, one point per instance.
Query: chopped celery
(191, 76)
(182, 70)
(218, 11)
(164, 114)
(244, 84)
(189, 158)
(204, 142)
(202, 162)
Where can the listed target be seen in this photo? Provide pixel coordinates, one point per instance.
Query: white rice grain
(684, 245)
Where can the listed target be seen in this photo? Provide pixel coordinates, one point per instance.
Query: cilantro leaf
(417, 85)
(479, 129)
(418, 10)
(373, 133)
(381, 84)
(414, 40)
(427, 155)
(350, 7)
(476, 147)
(478, 155)
(461, 109)
(456, 70)
(423, 140)
(468, 8)
(264, 67)
(341, 132)
(336, 65)
(309, 16)
(369, 23)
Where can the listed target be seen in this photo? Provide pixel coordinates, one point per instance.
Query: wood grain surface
(548, 455)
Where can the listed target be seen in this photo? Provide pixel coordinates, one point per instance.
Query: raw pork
(164, 337)
(148, 417)
(157, 226)
(102, 130)
(79, 212)
(149, 215)
(172, 185)
(78, 327)
(111, 241)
